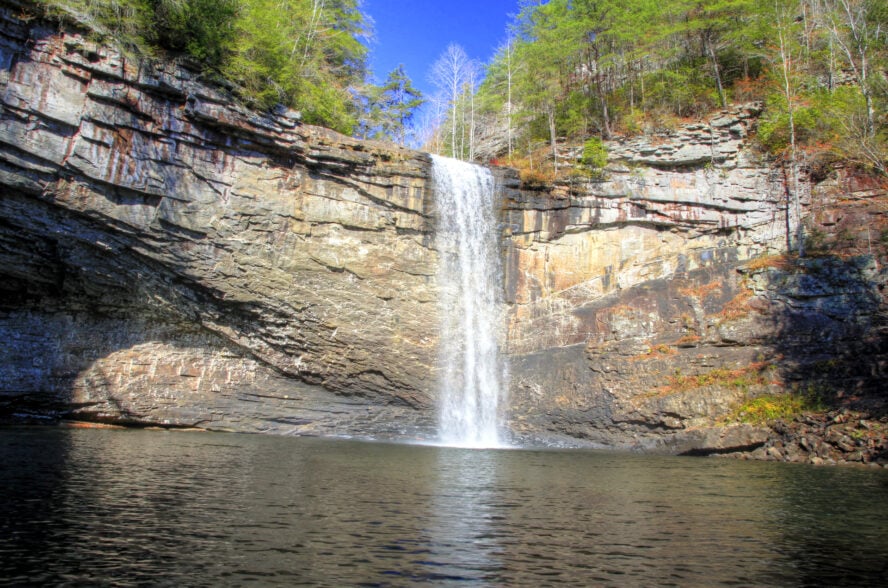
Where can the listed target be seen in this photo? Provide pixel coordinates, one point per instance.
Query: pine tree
(718, 26)
(306, 55)
(202, 28)
(390, 108)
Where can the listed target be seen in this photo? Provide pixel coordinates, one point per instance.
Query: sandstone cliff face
(169, 258)
(638, 321)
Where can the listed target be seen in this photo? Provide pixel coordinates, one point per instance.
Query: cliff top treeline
(304, 54)
(578, 68)
(569, 70)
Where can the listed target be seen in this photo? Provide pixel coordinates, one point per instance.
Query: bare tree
(853, 32)
(471, 87)
(787, 50)
(317, 13)
(431, 121)
(450, 74)
(509, 52)
(857, 30)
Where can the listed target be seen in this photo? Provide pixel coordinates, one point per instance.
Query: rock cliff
(170, 258)
(650, 305)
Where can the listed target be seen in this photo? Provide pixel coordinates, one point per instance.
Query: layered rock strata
(651, 304)
(169, 258)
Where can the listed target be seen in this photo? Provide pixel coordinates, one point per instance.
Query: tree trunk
(605, 117)
(599, 86)
(472, 126)
(552, 135)
(856, 22)
(509, 96)
(717, 73)
(786, 61)
(643, 107)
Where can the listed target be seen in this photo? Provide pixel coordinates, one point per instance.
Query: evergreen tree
(202, 28)
(717, 27)
(398, 102)
(305, 54)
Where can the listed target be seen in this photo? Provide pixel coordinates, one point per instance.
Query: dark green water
(88, 507)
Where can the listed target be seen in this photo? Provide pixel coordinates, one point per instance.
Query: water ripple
(138, 508)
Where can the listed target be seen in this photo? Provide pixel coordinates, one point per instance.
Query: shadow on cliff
(830, 331)
(74, 299)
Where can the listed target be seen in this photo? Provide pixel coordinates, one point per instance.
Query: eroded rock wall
(636, 320)
(169, 257)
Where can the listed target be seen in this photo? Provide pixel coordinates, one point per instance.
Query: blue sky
(416, 32)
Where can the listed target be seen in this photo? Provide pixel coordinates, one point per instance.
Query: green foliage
(771, 407)
(571, 68)
(633, 122)
(845, 112)
(683, 89)
(304, 54)
(826, 123)
(773, 130)
(201, 28)
(816, 240)
(128, 21)
(594, 154)
(606, 66)
(742, 379)
(300, 53)
(602, 66)
(390, 108)
(571, 114)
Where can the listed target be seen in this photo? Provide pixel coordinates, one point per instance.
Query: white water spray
(471, 390)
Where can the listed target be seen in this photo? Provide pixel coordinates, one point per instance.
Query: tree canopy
(304, 54)
(389, 108)
(570, 69)
(580, 68)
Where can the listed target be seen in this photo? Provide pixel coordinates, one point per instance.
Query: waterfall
(471, 389)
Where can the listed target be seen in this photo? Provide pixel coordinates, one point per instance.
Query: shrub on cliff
(305, 54)
(594, 156)
(828, 123)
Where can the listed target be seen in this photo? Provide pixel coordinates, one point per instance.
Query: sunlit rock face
(637, 322)
(169, 258)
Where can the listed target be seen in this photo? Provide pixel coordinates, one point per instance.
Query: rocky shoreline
(838, 437)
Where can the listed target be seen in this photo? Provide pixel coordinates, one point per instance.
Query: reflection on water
(463, 541)
(135, 507)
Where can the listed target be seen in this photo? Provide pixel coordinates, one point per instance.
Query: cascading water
(469, 279)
